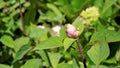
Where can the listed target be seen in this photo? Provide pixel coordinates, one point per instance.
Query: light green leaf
(111, 61)
(4, 66)
(55, 9)
(7, 40)
(19, 42)
(117, 56)
(44, 54)
(98, 37)
(36, 33)
(105, 36)
(2, 3)
(75, 64)
(98, 3)
(98, 52)
(78, 24)
(33, 63)
(52, 42)
(112, 36)
(67, 43)
(22, 51)
(64, 65)
(63, 32)
(54, 58)
(100, 66)
(107, 5)
(44, 35)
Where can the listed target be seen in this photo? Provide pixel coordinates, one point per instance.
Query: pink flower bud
(71, 31)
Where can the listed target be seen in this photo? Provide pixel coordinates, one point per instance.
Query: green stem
(81, 53)
(21, 16)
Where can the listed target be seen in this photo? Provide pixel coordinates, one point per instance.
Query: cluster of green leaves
(24, 45)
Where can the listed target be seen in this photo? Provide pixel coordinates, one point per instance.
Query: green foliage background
(24, 45)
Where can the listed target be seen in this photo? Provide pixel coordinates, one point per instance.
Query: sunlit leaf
(52, 42)
(98, 52)
(105, 36)
(4, 66)
(54, 59)
(19, 42)
(7, 40)
(79, 24)
(67, 43)
(64, 65)
(33, 63)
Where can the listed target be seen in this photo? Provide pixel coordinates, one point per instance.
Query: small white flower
(41, 26)
(55, 31)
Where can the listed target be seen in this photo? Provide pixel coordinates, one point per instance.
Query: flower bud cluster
(90, 15)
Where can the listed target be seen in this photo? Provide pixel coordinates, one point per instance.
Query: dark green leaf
(22, 51)
(30, 15)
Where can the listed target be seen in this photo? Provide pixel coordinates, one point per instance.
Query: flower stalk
(21, 16)
(81, 53)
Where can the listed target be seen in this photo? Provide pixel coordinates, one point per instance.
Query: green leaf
(55, 9)
(7, 40)
(112, 36)
(100, 66)
(107, 5)
(52, 42)
(30, 14)
(75, 63)
(98, 52)
(36, 33)
(111, 61)
(98, 37)
(22, 51)
(63, 32)
(4, 66)
(118, 1)
(117, 56)
(105, 36)
(19, 42)
(98, 3)
(44, 35)
(44, 56)
(54, 58)
(2, 3)
(67, 43)
(77, 4)
(78, 24)
(33, 63)
(64, 65)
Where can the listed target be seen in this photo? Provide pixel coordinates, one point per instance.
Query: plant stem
(81, 53)
(21, 16)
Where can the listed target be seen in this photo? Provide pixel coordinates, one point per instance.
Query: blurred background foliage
(30, 43)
